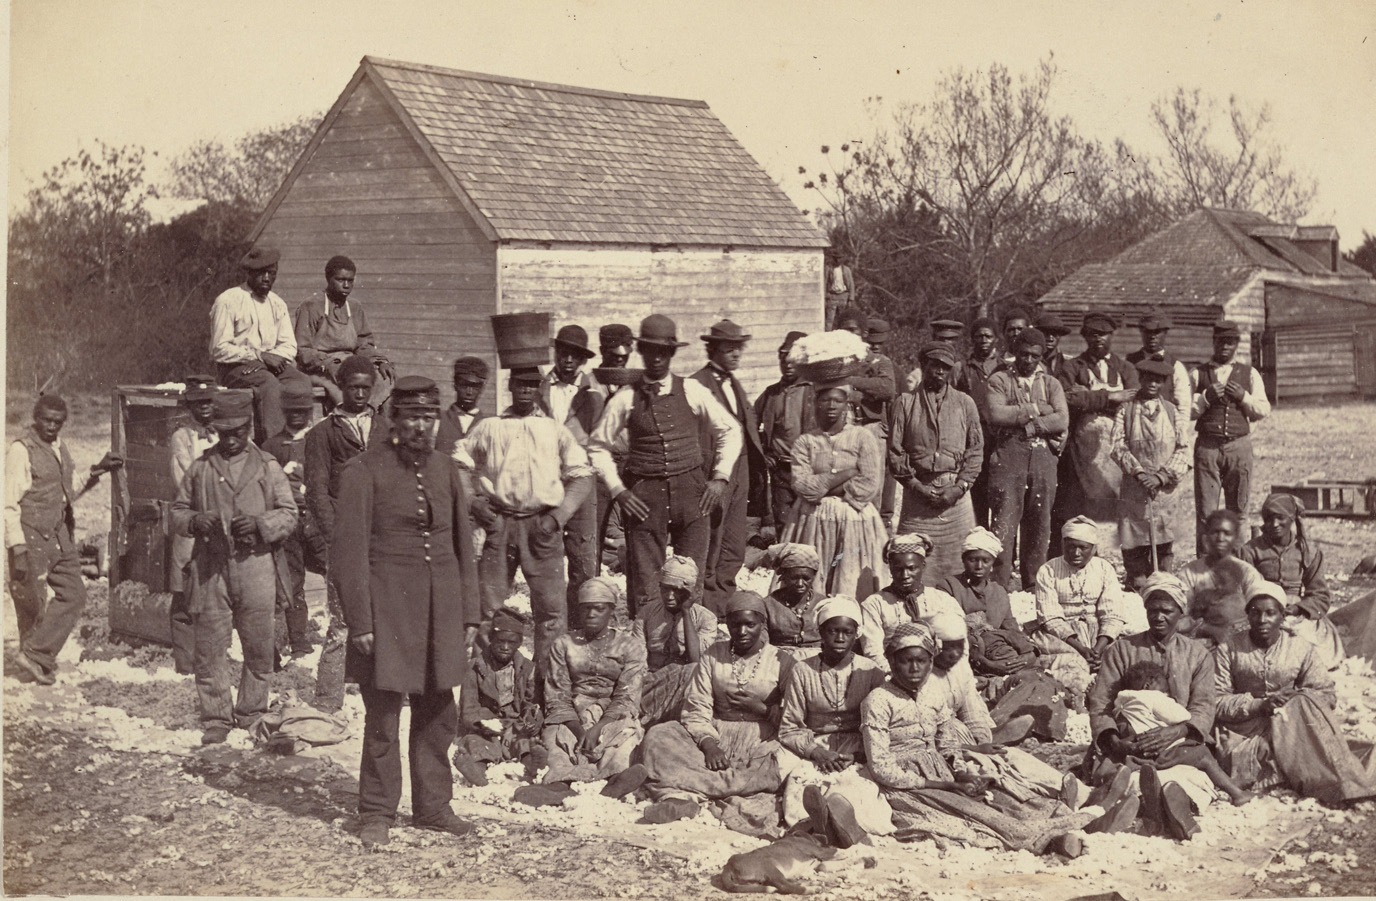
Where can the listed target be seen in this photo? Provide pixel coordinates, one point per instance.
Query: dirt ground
(106, 790)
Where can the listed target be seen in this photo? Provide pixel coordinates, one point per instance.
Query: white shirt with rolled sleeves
(610, 436)
(1255, 405)
(522, 462)
(243, 328)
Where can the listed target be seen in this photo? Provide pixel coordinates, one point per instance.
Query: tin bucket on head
(522, 339)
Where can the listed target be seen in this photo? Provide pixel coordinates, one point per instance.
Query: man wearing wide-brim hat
(726, 547)
(1228, 396)
(403, 563)
(252, 340)
(236, 502)
(936, 451)
(666, 498)
(1096, 383)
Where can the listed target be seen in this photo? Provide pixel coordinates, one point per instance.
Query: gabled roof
(549, 162)
(1143, 285)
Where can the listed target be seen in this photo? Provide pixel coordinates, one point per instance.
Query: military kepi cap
(1227, 329)
(947, 326)
(526, 374)
(941, 353)
(296, 395)
(470, 369)
(199, 387)
(415, 392)
(1149, 366)
(616, 336)
(232, 410)
(1102, 323)
(877, 331)
(260, 258)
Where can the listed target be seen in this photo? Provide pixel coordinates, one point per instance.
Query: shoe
(1014, 731)
(541, 795)
(447, 822)
(301, 650)
(1110, 793)
(472, 770)
(845, 830)
(372, 834)
(1068, 845)
(670, 810)
(1119, 818)
(816, 806)
(33, 668)
(215, 735)
(1149, 786)
(626, 781)
(1177, 814)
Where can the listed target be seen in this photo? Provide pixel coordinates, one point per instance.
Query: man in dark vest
(40, 535)
(666, 497)
(402, 561)
(573, 398)
(470, 378)
(1228, 398)
(726, 546)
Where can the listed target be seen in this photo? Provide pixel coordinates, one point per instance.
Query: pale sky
(785, 77)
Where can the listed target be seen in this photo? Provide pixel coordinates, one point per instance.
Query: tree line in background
(101, 294)
(981, 198)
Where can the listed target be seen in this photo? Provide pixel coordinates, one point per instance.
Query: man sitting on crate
(237, 503)
(39, 533)
(332, 329)
(252, 342)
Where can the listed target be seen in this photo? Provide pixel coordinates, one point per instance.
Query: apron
(1152, 440)
(331, 333)
(1090, 447)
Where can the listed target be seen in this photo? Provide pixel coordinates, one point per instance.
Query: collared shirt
(186, 444)
(561, 393)
(610, 439)
(1068, 598)
(522, 462)
(728, 391)
(821, 704)
(361, 424)
(18, 481)
(243, 328)
(1255, 404)
(883, 612)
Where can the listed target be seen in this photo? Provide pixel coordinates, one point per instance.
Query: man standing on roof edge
(658, 425)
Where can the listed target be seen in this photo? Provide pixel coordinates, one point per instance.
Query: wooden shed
(460, 195)
(1308, 316)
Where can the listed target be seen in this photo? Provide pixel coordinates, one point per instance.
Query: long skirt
(662, 693)
(1001, 821)
(611, 754)
(678, 768)
(850, 543)
(1303, 745)
(1322, 634)
(945, 526)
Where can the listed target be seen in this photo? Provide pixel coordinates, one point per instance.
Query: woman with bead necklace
(724, 745)
(821, 725)
(907, 599)
(791, 608)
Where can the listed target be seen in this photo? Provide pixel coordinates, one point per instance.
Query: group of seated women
(865, 717)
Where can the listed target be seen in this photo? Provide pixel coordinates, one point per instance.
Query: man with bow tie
(726, 545)
(666, 496)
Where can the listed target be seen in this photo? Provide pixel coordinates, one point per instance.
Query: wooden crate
(1334, 497)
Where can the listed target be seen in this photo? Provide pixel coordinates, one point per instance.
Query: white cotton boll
(1077, 729)
(1024, 604)
(1134, 612)
(519, 603)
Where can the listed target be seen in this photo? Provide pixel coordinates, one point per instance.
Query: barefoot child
(498, 716)
(1142, 704)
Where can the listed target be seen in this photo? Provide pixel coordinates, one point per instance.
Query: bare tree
(1233, 163)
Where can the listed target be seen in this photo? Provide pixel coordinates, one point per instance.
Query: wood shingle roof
(544, 162)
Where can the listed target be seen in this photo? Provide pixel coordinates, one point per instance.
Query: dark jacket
(585, 410)
(753, 455)
(329, 445)
(1084, 401)
(451, 431)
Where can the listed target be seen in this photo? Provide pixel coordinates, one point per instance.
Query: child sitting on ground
(499, 718)
(1142, 704)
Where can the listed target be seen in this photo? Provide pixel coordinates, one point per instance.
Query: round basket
(522, 339)
(616, 377)
(828, 370)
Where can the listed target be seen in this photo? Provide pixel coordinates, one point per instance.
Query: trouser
(1137, 562)
(782, 497)
(329, 674)
(726, 543)
(514, 541)
(835, 303)
(179, 626)
(1221, 467)
(44, 627)
(979, 491)
(267, 393)
(434, 720)
(245, 603)
(580, 547)
(1022, 492)
(305, 549)
(674, 519)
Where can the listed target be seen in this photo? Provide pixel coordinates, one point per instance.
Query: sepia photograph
(594, 449)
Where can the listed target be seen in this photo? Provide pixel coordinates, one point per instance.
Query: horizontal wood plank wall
(426, 273)
(1317, 361)
(769, 293)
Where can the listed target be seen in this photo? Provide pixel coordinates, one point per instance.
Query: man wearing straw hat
(666, 497)
(726, 546)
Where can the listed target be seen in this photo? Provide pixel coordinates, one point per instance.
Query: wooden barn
(1308, 316)
(460, 195)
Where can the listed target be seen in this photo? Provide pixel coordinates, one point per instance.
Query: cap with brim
(1227, 330)
(574, 338)
(939, 353)
(470, 369)
(294, 398)
(789, 340)
(1030, 337)
(1052, 324)
(526, 374)
(1154, 367)
(260, 258)
(659, 330)
(199, 387)
(1101, 323)
(727, 331)
(877, 331)
(415, 392)
(510, 621)
(616, 337)
(1154, 322)
(947, 327)
(232, 410)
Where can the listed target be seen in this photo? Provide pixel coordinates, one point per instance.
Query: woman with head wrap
(821, 725)
(906, 600)
(592, 692)
(1079, 606)
(914, 745)
(997, 644)
(1275, 707)
(1283, 554)
(838, 471)
(724, 745)
(677, 632)
(790, 607)
(1218, 584)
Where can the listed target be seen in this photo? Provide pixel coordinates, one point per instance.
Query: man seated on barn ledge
(328, 332)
